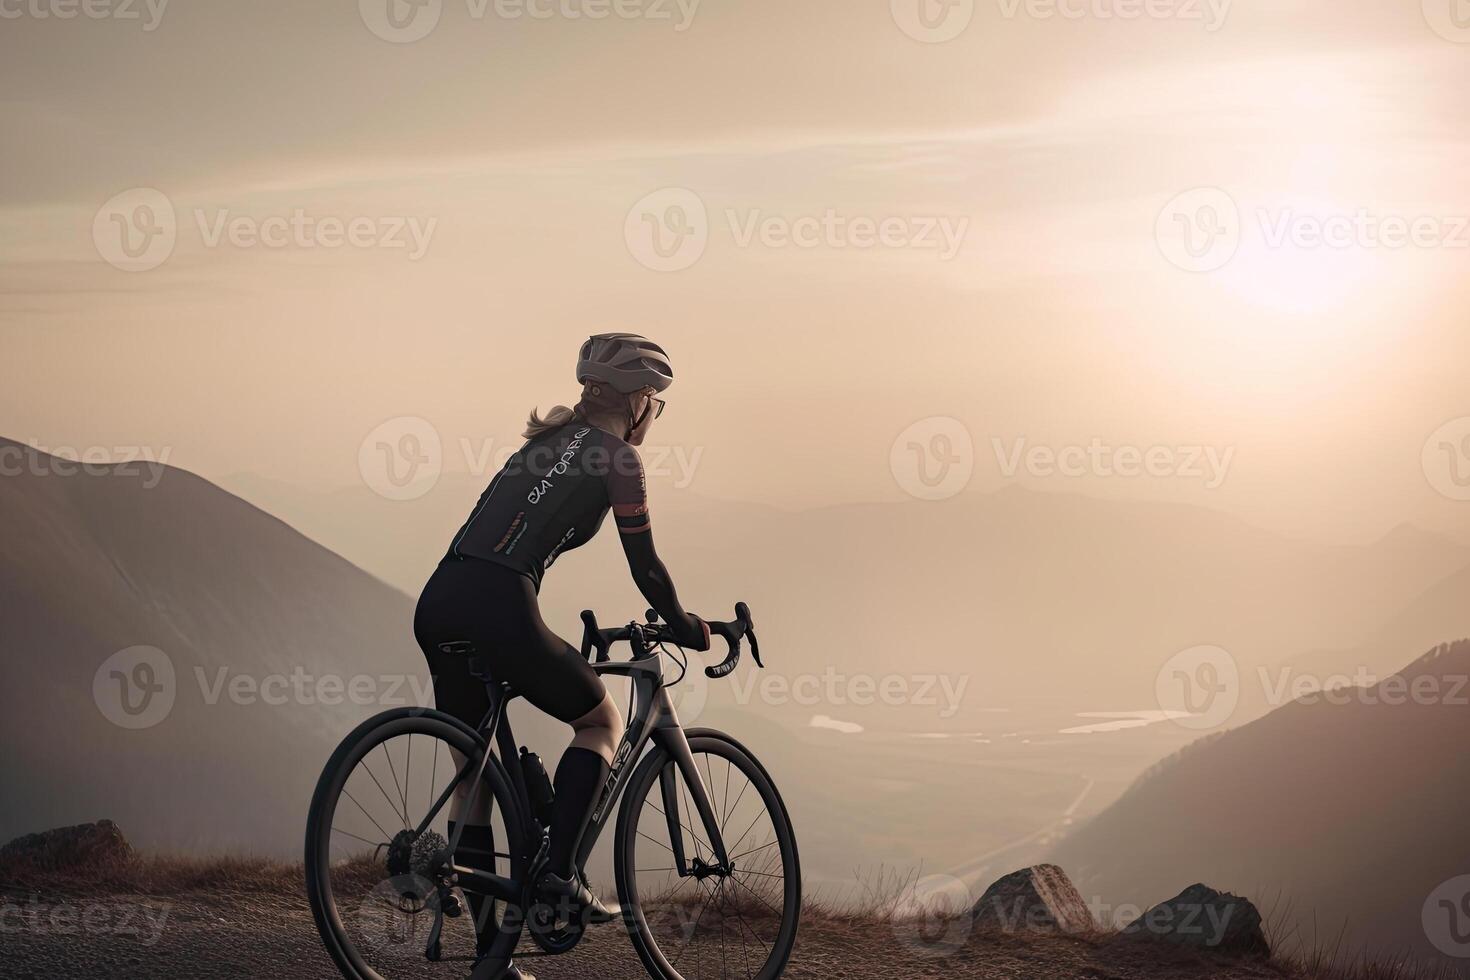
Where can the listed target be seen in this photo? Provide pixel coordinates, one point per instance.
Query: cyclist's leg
(580, 776)
(550, 674)
(496, 610)
(441, 618)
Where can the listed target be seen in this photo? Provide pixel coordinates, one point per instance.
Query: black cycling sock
(477, 850)
(579, 779)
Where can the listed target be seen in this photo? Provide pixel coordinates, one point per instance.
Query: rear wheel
(376, 882)
(735, 924)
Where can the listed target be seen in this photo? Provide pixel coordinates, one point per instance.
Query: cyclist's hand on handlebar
(697, 639)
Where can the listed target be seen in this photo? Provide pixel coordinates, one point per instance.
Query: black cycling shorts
(494, 610)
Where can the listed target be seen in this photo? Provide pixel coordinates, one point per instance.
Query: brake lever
(592, 637)
(742, 611)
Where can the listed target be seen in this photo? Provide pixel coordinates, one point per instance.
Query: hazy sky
(878, 226)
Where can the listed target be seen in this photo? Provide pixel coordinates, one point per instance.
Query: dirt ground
(253, 935)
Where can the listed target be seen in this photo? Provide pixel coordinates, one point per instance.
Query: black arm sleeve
(627, 492)
(653, 580)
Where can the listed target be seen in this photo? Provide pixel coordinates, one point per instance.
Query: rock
(1041, 899)
(1201, 918)
(88, 843)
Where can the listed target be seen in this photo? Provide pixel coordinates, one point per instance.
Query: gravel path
(197, 937)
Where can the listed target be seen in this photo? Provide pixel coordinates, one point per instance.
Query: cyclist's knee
(599, 729)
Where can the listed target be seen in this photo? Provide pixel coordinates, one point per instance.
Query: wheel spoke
(680, 818)
(366, 814)
(348, 833)
(748, 900)
(750, 828)
(754, 849)
(757, 896)
(396, 785)
(373, 776)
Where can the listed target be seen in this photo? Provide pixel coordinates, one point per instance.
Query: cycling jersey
(553, 495)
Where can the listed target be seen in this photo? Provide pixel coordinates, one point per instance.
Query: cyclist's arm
(628, 496)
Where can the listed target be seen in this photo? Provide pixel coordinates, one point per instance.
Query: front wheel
(700, 921)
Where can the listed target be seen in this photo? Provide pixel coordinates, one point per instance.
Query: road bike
(704, 857)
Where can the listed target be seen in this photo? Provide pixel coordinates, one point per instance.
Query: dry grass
(886, 898)
(155, 875)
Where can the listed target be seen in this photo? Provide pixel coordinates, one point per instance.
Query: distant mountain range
(1037, 597)
(118, 579)
(1350, 811)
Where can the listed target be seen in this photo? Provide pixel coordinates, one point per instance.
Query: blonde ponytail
(538, 425)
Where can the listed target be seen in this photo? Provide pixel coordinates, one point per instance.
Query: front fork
(681, 762)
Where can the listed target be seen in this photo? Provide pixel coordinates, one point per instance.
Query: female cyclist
(551, 496)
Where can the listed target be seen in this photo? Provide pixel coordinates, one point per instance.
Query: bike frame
(652, 720)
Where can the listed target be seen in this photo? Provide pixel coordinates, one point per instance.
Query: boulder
(65, 847)
(1039, 899)
(1201, 918)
